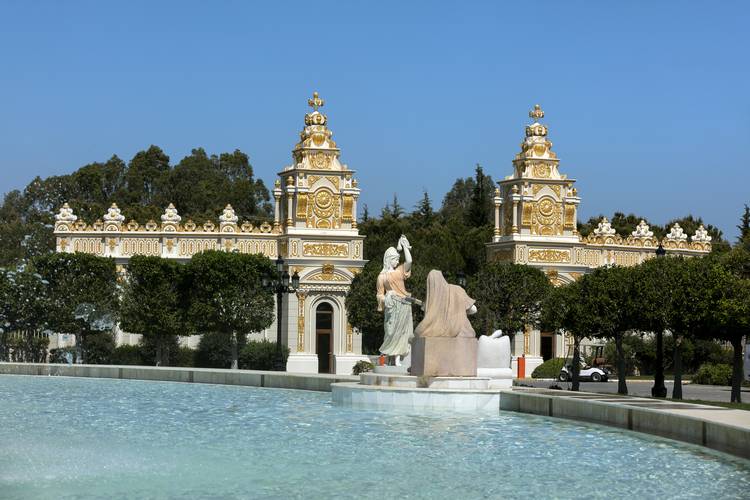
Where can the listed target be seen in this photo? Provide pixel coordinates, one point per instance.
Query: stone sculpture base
(444, 357)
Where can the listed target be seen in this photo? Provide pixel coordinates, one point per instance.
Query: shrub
(549, 369)
(260, 355)
(27, 348)
(127, 355)
(184, 357)
(713, 374)
(214, 351)
(59, 355)
(99, 347)
(362, 367)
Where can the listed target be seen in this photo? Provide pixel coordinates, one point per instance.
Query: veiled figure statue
(446, 309)
(395, 301)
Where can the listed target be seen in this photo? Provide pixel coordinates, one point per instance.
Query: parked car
(586, 373)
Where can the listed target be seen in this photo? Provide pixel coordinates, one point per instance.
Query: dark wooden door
(324, 337)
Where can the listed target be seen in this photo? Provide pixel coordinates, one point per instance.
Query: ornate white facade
(536, 211)
(314, 229)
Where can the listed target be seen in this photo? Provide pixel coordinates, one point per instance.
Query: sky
(646, 102)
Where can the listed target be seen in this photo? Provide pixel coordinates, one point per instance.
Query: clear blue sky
(646, 101)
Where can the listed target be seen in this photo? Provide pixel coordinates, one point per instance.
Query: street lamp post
(279, 284)
(659, 390)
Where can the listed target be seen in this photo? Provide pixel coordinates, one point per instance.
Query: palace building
(536, 209)
(315, 229)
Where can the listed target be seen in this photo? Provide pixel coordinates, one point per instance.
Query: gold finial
(315, 102)
(537, 112)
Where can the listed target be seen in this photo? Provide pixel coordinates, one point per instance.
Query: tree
(201, 186)
(153, 302)
(84, 294)
(24, 302)
(698, 290)
(566, 308)
(653, 299)
(424, 215)
(732, 323)
(610, 306)
(734, 311)
(509, 296)
(226, 295)
(470, 200)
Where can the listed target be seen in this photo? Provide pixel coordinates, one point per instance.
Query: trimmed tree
(226, 295)
(610, 305)
(84, 295)
(153, 302)
(509, 296)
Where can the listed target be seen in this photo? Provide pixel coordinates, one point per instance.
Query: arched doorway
(324, 336)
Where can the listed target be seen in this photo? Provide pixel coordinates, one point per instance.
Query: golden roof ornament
(315, 135)
(536, 113)
(536, 129)
(315, 102)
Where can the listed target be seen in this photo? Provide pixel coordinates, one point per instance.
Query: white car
(586, 373)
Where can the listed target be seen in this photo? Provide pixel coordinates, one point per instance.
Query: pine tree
(396, 209)
(744, 227)
(365, 214)
(424, 212)
(480, 199)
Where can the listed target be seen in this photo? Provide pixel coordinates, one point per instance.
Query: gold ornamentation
(63, 244)
(325, 277)
(348, 204)
(112, 244)
(301, 321)
(540, 169)
(570, 216)
(324, 211)
(546, 219)
(528, 209)
(140, 246)
(301, 205)
(536, 113)
(355, 270)
(321, 161)
(505, 254)
(349, 337)
(317, 102)
(325, 250)
(327, 270)
(547, 255)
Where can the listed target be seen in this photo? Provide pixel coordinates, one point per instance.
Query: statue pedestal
(444, 357)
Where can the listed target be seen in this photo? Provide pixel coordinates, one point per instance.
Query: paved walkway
(643, 388)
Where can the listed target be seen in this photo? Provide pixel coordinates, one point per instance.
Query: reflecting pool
(96, 438)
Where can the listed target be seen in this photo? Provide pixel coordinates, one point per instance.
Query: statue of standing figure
(395, 301)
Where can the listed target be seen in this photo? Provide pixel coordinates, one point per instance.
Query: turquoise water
(94, 438)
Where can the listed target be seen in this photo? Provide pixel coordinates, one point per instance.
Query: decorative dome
(316, 134)
(536, 145)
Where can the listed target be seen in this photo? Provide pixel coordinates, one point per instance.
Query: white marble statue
(395, 302)
(493, 359)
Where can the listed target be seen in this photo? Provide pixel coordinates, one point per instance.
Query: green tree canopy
(226, 295)
(153, 302)
(509, 296)
(84, 294)
(200, 186)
